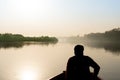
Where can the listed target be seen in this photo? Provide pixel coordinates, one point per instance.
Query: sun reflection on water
(28, 74)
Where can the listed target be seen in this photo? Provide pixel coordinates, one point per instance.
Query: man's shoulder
(72, 58)
(84, 57)
(87, 57)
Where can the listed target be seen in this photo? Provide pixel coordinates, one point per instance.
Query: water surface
(38, 61)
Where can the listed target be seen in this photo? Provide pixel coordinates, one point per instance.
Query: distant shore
(111, 36)
(9, 37)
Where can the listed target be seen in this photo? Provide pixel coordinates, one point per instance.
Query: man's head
(78, 50)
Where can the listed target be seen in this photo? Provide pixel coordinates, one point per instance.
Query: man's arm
(95, 66)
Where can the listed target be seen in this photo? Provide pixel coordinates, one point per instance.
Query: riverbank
(8, 37)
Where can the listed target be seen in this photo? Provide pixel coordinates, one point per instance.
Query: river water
(43, 61)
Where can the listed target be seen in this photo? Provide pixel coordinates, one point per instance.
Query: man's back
(78, 68)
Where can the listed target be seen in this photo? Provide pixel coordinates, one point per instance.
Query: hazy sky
(58, 17)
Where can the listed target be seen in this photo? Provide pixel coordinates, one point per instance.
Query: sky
(58, 17)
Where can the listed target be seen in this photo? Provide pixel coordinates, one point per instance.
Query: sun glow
(32, 8)
(28, 74)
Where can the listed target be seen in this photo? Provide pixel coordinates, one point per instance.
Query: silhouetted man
(78, 66)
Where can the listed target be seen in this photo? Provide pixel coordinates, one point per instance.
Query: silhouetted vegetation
(9, 40)
(112, 36)
(8, 37)
(109, 40)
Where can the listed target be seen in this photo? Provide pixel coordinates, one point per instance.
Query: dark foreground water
(38, 61)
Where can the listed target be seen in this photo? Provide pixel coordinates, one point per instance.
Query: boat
(62, 76)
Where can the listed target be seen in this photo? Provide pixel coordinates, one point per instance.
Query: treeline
(108, 36)
(8, 37)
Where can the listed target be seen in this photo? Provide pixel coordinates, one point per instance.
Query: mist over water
(113, 47)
